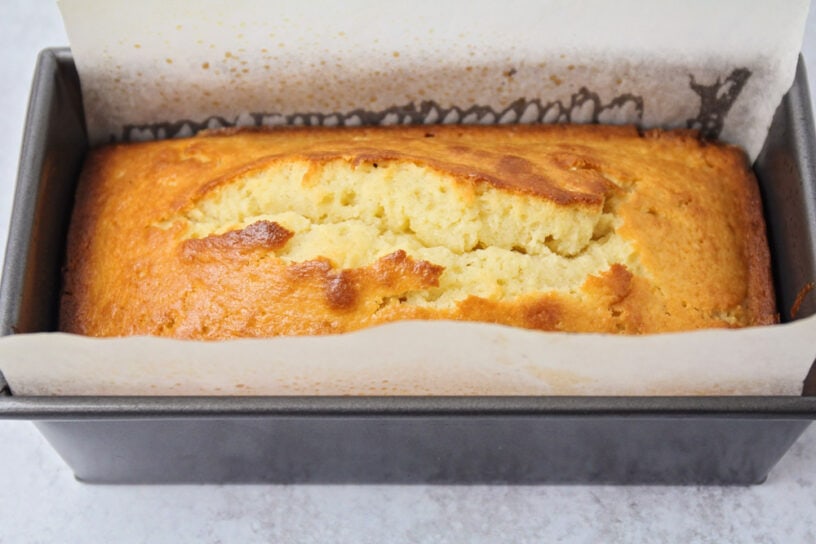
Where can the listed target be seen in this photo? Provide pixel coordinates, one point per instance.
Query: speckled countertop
(41, 502)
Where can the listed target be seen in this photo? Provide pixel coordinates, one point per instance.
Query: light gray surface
(41, 502)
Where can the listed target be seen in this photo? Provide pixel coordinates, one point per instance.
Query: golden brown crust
(259, 235)
(690, 209)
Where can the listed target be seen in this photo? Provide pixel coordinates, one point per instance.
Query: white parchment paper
(720, 66)
(419, 358)
(166, 68)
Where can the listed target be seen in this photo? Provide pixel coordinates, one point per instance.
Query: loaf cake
(308, 231)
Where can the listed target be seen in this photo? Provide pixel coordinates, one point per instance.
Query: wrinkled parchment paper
(168, 68)
(163, 68)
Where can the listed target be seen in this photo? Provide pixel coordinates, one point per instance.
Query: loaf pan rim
(144, 407)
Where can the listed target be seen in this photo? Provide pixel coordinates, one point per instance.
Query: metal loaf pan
(622, 440)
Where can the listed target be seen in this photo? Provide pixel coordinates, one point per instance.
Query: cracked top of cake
(252, 233)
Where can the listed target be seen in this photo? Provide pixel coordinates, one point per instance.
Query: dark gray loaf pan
(622, 440)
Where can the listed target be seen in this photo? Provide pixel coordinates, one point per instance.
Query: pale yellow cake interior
(492, 243)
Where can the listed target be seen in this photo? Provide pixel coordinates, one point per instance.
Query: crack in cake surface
(492, 243)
